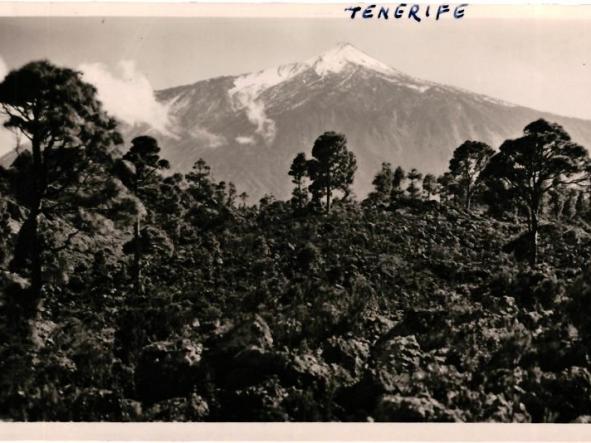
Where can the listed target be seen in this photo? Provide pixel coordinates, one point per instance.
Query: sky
(544, 64)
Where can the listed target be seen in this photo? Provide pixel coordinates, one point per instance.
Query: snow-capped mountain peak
(250, 127)
(247, 89)
(335, 59)
(332, 61)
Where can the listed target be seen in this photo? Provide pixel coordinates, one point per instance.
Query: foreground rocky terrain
(408, 314)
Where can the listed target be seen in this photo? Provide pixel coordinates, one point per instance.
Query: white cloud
(127, 94)
(7, 138)
(243, 140)
(207, 139)
(247, 97)
(3, 69)
(255, 110)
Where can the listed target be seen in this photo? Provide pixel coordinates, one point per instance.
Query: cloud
(247, 99)
(7, 138)
(207, 139)
(3, 69)
(127, 94)
(243, 140)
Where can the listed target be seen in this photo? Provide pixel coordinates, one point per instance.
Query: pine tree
(430, 186)
(543, 159)
(466, 166)
(231, 195)
(397, 181)
(414, 191)
(299, 172)
(70, 138)
(199, 181)
(331, 169)
(243, 198)
(382, 183)
(141, 174)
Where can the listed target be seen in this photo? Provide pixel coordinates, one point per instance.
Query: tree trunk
(137, 258)
(36, 271)
(533, 239)
(35, 246)
(327, 199)
(468, 198)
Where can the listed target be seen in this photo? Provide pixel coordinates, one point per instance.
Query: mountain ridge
(250, 126)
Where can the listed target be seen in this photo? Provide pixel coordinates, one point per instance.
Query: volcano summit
(249, 127)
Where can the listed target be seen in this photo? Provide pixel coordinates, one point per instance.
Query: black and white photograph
(344, 213)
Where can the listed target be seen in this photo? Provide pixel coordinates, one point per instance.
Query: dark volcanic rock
(167, 369)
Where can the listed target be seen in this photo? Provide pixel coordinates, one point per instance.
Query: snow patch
(496, 101)
(261, 80)
(478, 97)
(247, 89)
(420, 88)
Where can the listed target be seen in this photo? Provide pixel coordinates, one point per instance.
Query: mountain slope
(249, 127)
